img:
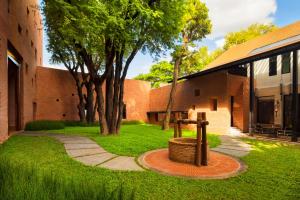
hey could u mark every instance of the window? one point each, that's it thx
(273, 66)
(214, 104)
(265, 111)
(26, 68)
(197, 92)
(286, 63)
(124, 112)
(19, 29)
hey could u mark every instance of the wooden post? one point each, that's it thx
(252, 98)
(175, 125)
(295, 98)
(179, 125)
(199, 137)
(204, 140)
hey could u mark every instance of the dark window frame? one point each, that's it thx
(197, 92)
(286, 63)
(124, 116)
(214, 104)
(273, 66)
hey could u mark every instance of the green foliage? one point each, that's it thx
(133, 139)
(78, 123)
(196, 61)
(132, 122)
(27, 182)
(272, 171)
(255, 30)
(44, 125)
(161, 72)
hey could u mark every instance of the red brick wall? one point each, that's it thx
(211, 86)
(25, 43)
(55, 84)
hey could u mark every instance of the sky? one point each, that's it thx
(226, 16)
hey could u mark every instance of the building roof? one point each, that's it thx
(276, 39)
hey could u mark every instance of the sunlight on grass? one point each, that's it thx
(133, 140)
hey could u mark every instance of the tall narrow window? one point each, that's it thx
(197, 92)
(214, 104)
(124, 112)
(273, 66)
(286, 63)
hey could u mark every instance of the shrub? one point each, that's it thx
(26, 182)
(44, 125)
(82, 124)
(132, 122)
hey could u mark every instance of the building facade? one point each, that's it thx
(20, 52)
(252, 83)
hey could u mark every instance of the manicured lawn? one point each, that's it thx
(273, 171)
(133, 139)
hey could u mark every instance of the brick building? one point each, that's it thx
(255, 82)
(20, 52)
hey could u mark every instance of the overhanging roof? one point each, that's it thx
(276, 42)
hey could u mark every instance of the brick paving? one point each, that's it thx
(220, 166)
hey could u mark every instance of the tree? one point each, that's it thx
(161, 72)
(195, 61)
(65, 53)
(235, 38)
(196, 26)
(107, 36)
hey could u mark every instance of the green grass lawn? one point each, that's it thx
(273, 170)
(133, 139)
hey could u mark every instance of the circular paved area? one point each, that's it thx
(220, 166)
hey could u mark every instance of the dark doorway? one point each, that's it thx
(287, 111)
(231, 111)
(13, 95)
(265, 111)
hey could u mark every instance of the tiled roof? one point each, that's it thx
(279, 38)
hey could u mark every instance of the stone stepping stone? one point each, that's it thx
(81, 146)
(238, 148)
(77, 141)
(93, 160)
(231, 152)
(123, 163)
(84, 152)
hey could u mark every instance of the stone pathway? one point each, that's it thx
(90, 153)
(232, 146)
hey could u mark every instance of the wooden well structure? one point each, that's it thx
(189, 150)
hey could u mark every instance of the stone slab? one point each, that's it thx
(231, 152)
(122, 163)
(232, 147)
(96, 159)
(80, 146)
(84, 152)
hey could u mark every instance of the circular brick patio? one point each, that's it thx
(220, 166)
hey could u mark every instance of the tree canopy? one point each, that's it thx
(161, 72)
(107, 35)
(199, 59)
(244, 35)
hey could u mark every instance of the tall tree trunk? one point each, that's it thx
(115, 110)
(166, 122)
(81, 104)
(89, 102)
(109, 92)
(101, 111)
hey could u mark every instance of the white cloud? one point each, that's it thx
(220, 42)
(233, 15)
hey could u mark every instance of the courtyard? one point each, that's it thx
(267, 177)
